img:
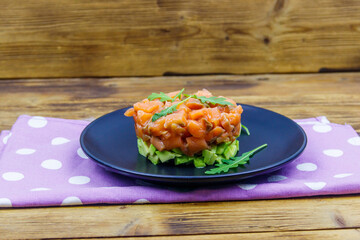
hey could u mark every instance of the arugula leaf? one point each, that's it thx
(245, 129)
(168, 110)
(178, 95)
(164, 112)
(213, 100)
(234, 162)
(162, 96)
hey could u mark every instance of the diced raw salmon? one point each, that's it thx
(195, 145)
(192, 127)
(143, 117)
(184, 108)
(213, 115)
(178, 117)
(204, 92)
(234, 118)
(194, 104)
(174, 142)
(225, 123)
(196, 129)
(196, 114)
(148, 106)
(237, 110)
(130, 112)
(213, 134)
(177, 129)
(157, 128)
(157, 143)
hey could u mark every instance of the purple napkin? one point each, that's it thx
(42, 164)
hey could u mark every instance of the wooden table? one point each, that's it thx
(336, 96)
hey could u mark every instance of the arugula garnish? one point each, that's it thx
(162, 97)
(178, 95)
(245, 129)
(213, 100)
(164, 112)
(234, 162)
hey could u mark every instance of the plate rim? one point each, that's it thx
(176, 178)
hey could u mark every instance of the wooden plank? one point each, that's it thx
(182, 219)
(296, 96)
(68, 38)
(343, 234)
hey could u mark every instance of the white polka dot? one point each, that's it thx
(333, 152)
(37, 122)
(354, 141)
(342, 175)
(322, 128)
(52, 164)
(141, 201)
(13, 176)
(5, 202)
(247, 186)
(307, 167)
(276, 178)
(6, 138)
(79, 180)
(71, 201)
(323, 119)
(39, 189)
(59, 141)
(25, 151)
(81, 154)
(315, 185)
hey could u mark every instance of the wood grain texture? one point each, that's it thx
(296, 96)
(182, 219)
(67, 38)
(343, 234)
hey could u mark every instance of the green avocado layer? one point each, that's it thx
(208, 156)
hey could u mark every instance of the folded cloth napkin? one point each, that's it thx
(42, 164)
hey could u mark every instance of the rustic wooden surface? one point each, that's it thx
(65, 38)
(295, 95)
(252, 217)
(350, 234)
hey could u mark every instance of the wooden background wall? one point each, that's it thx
(82, 38)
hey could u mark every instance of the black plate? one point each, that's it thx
(111, 141)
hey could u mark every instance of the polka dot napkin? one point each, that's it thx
(42, 164)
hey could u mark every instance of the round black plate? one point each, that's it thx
(111, 142)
